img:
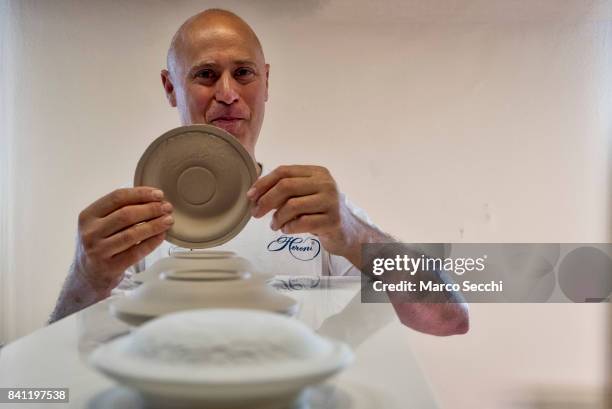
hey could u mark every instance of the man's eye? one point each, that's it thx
(244, 72)
(205, 74)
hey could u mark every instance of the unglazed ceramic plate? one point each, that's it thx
(179, 263)
(203, 275)
(221, 359)
(205, 173)
(341, 394)
(161, 297)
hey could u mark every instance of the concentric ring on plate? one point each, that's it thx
(205, 173)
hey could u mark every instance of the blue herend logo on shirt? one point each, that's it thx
(300, 248)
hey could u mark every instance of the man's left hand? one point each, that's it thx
(307, 200)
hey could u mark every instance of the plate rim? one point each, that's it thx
(228, 138)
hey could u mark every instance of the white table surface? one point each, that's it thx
(385, 373)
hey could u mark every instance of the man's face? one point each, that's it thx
(220, 78)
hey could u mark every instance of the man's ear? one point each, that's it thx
(168, 87)
(267, 77)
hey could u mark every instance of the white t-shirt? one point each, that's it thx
(273, 252)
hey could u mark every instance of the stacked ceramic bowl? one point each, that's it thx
(209, 330)
(196, 280)
(222, 359)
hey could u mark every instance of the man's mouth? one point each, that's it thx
(222, 119)
(229, 123)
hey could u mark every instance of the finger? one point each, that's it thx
(284, 189)
(134, 235)
(136, 253)
(296, 207)
(123, 197)
(130, 215)
(310, 223)
(264, 183)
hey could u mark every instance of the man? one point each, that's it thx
(217, 75)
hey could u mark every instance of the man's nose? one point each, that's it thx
(226, 89)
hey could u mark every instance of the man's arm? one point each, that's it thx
(306, 200)
(76, 294)
(115, 232)
(439, 313)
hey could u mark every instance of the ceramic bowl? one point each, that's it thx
(222, 358)
(160, 297)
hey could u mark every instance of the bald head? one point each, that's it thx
(211, 19)
(217, 75)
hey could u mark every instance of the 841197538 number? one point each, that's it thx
(39, 395)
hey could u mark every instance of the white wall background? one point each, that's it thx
(485, 121)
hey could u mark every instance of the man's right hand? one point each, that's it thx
(117, 231)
